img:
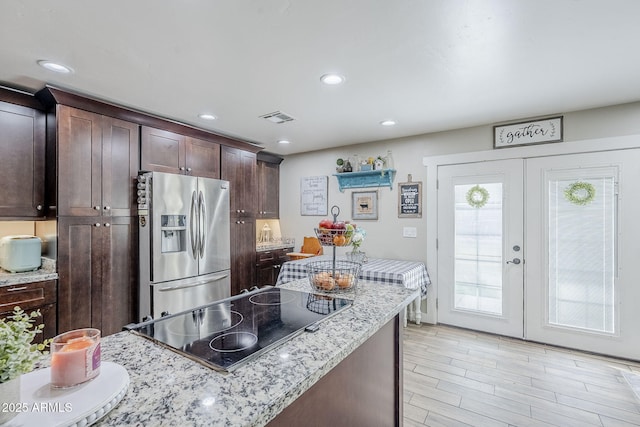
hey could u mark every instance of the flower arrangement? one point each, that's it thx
(357, 238)
(17, 352)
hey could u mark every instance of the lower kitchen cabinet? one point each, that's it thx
(97, 259)
(31, 297)
(268, 265)
(243, 254)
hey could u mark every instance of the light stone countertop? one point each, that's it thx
(169, 389)
(47, 271)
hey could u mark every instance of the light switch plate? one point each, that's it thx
(409, 232)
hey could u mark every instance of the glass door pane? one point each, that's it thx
(478, 247)
(581, 236)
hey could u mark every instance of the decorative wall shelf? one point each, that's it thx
(363, 179)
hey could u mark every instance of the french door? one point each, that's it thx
(583, 253)
(480, 241)
(543, 248)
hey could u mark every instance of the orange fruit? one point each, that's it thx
(339, 240)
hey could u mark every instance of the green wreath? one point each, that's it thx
(477, 196)
(580, 193)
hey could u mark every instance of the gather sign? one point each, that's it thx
(524, 133)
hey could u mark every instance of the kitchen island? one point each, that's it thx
(349, 371)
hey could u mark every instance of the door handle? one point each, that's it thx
(202, 220)
(514, 261)
(193, 232)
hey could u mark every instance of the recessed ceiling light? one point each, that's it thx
(388, 122)
(52, 66)
(206, 116)
(332, 79)
(284, 141)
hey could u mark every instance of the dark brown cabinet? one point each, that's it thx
(239, 168)
(97, 164)
(22, 160)
(97, 159)
(30, 297)
(268, 265)
(97, 259)
(164, 151)
(268, 190)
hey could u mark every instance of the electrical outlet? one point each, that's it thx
(409, 232)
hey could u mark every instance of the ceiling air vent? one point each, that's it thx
(277, 117)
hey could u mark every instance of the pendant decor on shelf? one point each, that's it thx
(580, 193)
(477, 196)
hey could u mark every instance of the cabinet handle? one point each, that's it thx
(242, 210)
(39, 207)
(106, 224)
(96, 208)
(22, 288)
(106, 208)
(96, 224)
(181, 168)
(188, 169)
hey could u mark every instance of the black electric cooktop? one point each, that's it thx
(225, 334)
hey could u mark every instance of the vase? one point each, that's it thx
(357, 256)
(10, 392)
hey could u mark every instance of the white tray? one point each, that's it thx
(82, 405)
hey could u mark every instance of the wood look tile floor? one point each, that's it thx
(457, 377)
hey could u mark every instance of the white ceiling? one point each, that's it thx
(432, 65)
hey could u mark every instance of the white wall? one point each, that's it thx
(384, 236)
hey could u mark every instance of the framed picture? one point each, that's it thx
(528, 133)
(410, 199)
(364, 205)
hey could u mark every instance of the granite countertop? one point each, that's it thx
(47, 271)
(270, 246)
(169, 389)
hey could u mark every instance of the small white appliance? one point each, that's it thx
(20, 253)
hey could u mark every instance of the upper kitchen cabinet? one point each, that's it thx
(164, 151)
(239, 168)
(97, 164)
(22, 157)
(268, 186)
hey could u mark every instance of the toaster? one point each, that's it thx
(20, 253)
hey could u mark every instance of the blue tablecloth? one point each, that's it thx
(410, 274)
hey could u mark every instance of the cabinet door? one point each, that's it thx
(239, 168)
(118, 295)
(162, 151)
(79, 162)
(30, 297)
(269, 190)
(80, 272)
(243, 254)
(22, 156)
(120, 155)
(202, 158)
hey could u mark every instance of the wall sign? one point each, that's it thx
(410, 199)
(313, 195)
(525, 133)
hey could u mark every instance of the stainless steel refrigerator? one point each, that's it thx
(184, 242)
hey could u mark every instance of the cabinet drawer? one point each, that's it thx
(266, 256)
(27, 295)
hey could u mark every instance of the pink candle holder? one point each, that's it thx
(75, 357)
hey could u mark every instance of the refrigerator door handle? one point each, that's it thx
(203, 224)
(193, 226)
(192, 285)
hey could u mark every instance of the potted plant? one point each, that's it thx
(18, 354)
(357, 238)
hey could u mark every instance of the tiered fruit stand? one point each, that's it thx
(334, 275)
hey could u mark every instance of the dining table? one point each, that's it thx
(409, 274)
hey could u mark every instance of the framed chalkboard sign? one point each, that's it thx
(410, 199)
(313, 195)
